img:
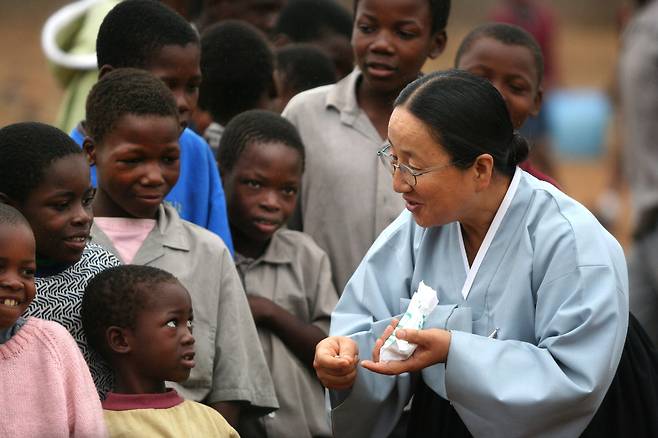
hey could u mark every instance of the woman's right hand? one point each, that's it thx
(336, 359)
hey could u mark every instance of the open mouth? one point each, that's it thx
(266, 225)
(377, 69)
(9, 302)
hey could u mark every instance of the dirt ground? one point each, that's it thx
(586, 58)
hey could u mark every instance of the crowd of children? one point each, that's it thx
(169, 267)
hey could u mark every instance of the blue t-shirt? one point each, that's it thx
(198, 195)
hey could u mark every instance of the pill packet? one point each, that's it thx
(422, 304)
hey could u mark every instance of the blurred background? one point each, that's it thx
(585, 52)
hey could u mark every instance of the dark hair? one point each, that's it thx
(440, 10)
(10, 216)
(467, 116)
(255, 126)
(507, 34)
(134, 30)
(126, 91)
(237, 65)
(305, 66)
(26, 151)
(309, 20)
(115, 297)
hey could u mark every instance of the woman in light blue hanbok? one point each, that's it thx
(533, 292)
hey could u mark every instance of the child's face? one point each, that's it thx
(17, 266)
(59, 209)
(392, 39)
(162, 345)
(179, 67)
(137, 165)
(512, 70)
(261, 190)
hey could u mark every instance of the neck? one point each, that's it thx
(247, 246)
(475, 225)
(372, 98)
(128, 382)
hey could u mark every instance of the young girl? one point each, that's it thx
(133, 125)
(45, 386)
(140, 319)
(345, 200)
(55, 196)
(286, 276)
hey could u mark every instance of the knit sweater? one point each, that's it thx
(45, 386)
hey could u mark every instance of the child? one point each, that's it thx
(133, 129)
(300, 67)
(140, 319)
(325, 24)
(45, 386)
(238, 67)
(285, 274)
(55, 196)
(148, 35)
(511, 59)
(346, 200)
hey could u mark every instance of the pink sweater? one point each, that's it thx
(45, 386)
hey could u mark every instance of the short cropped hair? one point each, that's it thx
(255, 126)
(507, 34)
(440, 10)
(115, 297)
(126, 91)
(237, 65)
(27, 149)
(10, 216)
(134, 31)
(305, 66)
(309, 20)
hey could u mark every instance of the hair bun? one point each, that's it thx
(518, 149)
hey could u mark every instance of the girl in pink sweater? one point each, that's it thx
(45, 386)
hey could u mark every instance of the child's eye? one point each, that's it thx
(252, 183)
(130, 161)
(172, 323)
(87, 200)
(406, 35)
(28, 272)
(192, 88)
(61, 206)
(365, 28)
(289, 191)
(190, 324)
(170, 160)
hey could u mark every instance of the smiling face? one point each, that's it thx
(59, 209)
(179, 67)
(438, 197)
(392, 39)
(17, 267)
(261, 193)
(137, 165)
(161, 344)
(512, 70)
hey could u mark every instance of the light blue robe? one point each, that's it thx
(554, 283)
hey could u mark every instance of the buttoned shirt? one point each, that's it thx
(229, 361)
(346, 198)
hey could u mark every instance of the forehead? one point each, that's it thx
(410, 137)
(16, 241)
(176, 58)
(496, 55)
(417, 11)
(164, 296)
(258, 156)
(70, 172)
(143, 130)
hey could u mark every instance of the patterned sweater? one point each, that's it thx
(59, 298)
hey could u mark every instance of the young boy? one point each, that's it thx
(285, 274)
(511, 59)
(148, 35)
(346, 198)
(133, 128)
(55, 196)
(238, 74)
(140, 319)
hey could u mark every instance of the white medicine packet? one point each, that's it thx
(421, 305)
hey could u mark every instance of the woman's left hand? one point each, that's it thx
(433, 346)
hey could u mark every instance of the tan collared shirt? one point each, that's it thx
(347, 197)
(293, 273)
(229, 361)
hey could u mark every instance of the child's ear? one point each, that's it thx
(117, 339)
(536, 105)
(105, 69)
(439, 41)
(89, 147)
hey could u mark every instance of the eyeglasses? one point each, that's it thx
(408, 174)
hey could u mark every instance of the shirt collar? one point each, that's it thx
(277, 252)
(170, 225)
(343, 97)
(127, 402)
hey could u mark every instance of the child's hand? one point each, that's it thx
(433, 346)
(262, 309)
(335, 362)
